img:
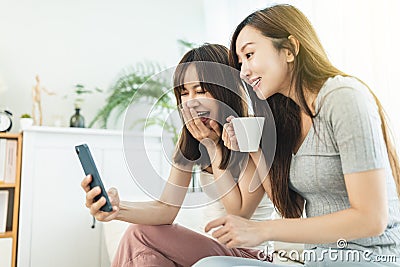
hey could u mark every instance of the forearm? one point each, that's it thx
(149, 213)
(232, 198)
(262, 170)
(164, 210)
(347, 224)
(237, 198)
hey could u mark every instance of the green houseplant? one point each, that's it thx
(25, 116)
(79, 94)
(139, 84)
(142, 83)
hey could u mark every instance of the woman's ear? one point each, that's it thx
(296, 45)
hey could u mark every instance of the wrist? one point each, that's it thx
(256, 154)
(212, 146)
(266, 230)
(209, 144)
(215, 154)
(121, 208)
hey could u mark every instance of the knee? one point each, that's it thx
(134, 242)
(147, 233)
(138, 231)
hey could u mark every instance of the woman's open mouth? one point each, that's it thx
(204, 116)
(256, 84)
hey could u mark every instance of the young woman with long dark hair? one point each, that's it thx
(334, 157)
(207, 91)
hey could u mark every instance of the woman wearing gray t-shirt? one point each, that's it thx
(334, 157)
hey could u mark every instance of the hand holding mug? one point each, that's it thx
(228, 135)
(243, 133)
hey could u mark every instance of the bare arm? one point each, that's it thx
(240, 198)
(159, 212)
(366, 217)
(262, 170)
(258, 159)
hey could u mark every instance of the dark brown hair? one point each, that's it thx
(222, 82)
(310, 71)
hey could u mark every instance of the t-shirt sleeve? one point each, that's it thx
(356, 125)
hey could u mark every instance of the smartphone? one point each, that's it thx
(89, 167)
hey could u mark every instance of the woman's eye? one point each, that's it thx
(249, 55)
(201, 92)
(184, 93)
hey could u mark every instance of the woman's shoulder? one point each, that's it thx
(340, 91)
(334, 84)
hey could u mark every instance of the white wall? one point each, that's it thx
(87, 42)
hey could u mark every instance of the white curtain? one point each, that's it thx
(361, 38)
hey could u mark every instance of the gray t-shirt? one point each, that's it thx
(347, 138)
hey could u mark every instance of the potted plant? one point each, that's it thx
(142, 84)
(25, 121)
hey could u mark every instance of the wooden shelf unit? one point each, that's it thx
(13, 234)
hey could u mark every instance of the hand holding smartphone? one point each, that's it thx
(89, 167)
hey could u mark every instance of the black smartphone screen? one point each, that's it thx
(89, 167)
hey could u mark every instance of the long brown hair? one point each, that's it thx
(221, 81)
(310, 71)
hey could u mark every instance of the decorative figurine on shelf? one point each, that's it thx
(37, 114)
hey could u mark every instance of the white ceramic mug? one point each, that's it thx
(248, 131)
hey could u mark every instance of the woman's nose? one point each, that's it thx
(192, 102)
(244, 71)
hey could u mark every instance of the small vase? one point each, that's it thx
(77, 120)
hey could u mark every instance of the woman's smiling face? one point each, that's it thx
(261, 65)
(195, 97)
